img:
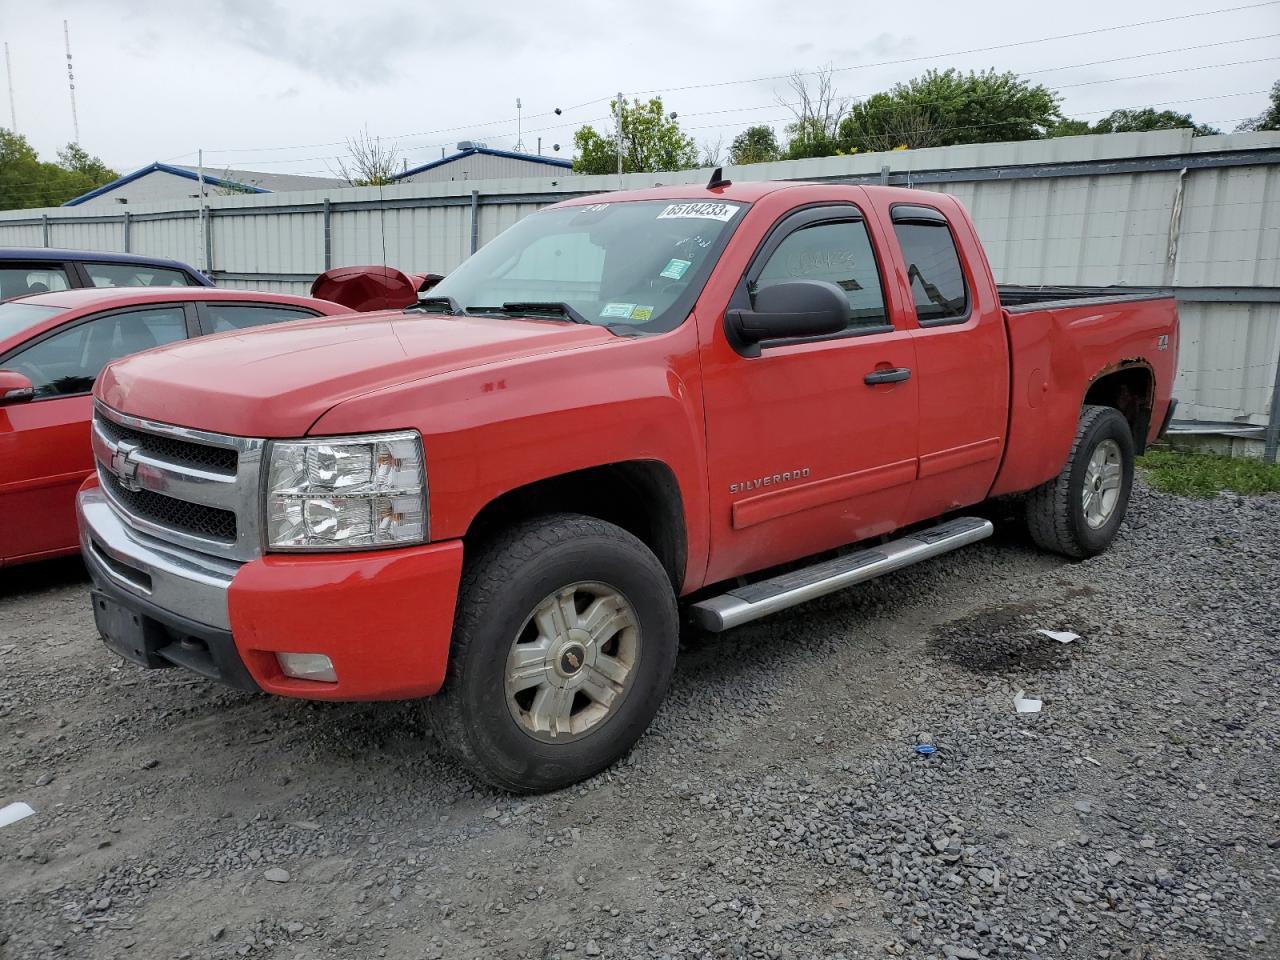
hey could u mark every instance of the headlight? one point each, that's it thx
(346, 493)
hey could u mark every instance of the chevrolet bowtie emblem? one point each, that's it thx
(124, 465)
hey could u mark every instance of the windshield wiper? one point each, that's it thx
(544, 306)
(450, 305)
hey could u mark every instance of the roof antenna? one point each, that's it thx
(718, 180)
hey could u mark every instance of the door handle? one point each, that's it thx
(893, 375)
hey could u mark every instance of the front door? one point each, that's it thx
(44, 444)
(811, 444)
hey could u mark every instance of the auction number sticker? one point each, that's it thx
(699, 210)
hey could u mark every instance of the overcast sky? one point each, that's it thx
(157, 79)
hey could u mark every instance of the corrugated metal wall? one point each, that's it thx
(1158, 209)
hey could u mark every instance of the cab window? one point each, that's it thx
(67, 363)
(934, 271)
(838, 252)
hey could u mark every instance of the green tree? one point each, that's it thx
(26, 181)
(1268, 119)
(651, 141)
(946, 107)
(1140, 121)
(757, 144)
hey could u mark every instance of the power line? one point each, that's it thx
(971, 50)
(697, 86)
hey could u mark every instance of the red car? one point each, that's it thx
(52, 346)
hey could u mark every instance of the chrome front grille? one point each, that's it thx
(192, 488)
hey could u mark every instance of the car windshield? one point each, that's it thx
(16, 317)
(634, 266)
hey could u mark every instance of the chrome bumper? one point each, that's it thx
(181, 581)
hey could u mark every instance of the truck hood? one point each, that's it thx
(276, 381)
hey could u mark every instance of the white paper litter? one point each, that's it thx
(14, 812)
(1062, 636)
(1026, 704)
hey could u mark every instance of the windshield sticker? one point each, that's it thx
(699, 210)
(642, 312)
(675, 269)
(621, 310)
(595, 207)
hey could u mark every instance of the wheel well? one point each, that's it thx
(1131, 390)
(640, 496)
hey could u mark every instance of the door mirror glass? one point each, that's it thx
(784, 311)
(15, 387)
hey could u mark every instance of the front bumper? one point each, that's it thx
(384, 618)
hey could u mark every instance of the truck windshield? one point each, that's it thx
(634, 266)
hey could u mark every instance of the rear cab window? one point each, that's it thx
(938, 286)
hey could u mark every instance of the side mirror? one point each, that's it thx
(799, 308)
(15, 387)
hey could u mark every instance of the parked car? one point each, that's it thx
(737, 397)
(45, 270)
(52, 346)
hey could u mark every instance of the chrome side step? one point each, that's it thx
(744, 604)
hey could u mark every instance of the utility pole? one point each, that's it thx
(204, 229)
(8, 69)
(71, 80)
(519, 137)
(618, 134)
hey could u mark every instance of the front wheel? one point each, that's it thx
(564, 644)
(1078, 512)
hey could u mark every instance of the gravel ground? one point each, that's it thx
(778, 807)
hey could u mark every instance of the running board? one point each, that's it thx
(744, 604)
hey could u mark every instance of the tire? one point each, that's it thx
(533, 659)
(1057, 515)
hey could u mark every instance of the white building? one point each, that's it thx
(475, 161)
(162, 181)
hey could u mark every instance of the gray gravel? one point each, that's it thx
(777, 809)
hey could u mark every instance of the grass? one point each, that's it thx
(1206, 474)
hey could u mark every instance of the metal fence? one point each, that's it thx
(1199, 216)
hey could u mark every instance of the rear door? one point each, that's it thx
(805, 454)
(44, 444)
(962, 357)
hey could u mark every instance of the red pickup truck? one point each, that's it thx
(727, 399)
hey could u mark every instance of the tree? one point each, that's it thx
(26, 181)
(755, 145)
(1133, 121)
(1268, 119)
(369, 162)
(818, 111)
(712, 150)
(947, 107)
(651, 141)
(1140, 121)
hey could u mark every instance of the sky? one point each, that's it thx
(279, 86)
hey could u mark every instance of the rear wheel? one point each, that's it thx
(564, 645)
(1079, 511)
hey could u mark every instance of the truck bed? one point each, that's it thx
(1020, 299)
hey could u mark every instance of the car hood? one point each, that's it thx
(276, 381)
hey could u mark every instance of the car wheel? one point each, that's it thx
(1078, 512)
(564, 645)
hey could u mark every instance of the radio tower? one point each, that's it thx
(8, 69)
(71, 81)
